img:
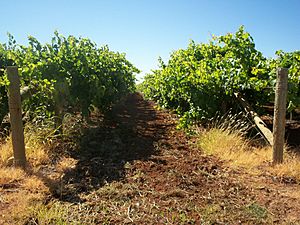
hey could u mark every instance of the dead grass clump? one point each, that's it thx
(37, 142)
(238, 152)
(34, 184)
(65, 164)
(234, 148)
(6, 153)
(11, 175)
(289, 168)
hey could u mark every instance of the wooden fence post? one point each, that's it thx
(279, 115)
(264, 130)
(15, 110)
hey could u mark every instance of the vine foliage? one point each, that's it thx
(67, 74)
(199, 81)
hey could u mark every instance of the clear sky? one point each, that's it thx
(147, 29)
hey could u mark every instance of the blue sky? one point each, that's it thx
(147, 29)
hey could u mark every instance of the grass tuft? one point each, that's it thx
(37, 142)
(237, 151)
(257, 211)
(53, 213)
(289, 168)
(10, 175)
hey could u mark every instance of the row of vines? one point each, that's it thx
(199, 81)
(68, 74)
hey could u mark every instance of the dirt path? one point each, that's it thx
(134, 167)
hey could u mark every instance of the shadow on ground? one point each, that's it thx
(129, 132)
(292, 132)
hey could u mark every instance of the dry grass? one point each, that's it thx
(234, 148)
(19, 192)
(21, 189)
(238, 152)
(36, 143)
(290, 167)
(66, 164)
(34, 184)
(23, 192)
(9, 175)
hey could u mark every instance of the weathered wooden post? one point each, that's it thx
(279, 115)
(15, 111)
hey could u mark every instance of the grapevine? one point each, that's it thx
(200, 81)
(68, 73)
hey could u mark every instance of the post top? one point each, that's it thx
(282, 69)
